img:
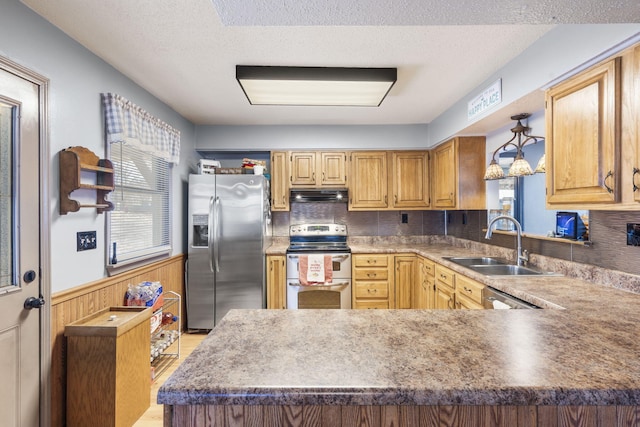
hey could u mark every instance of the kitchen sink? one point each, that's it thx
(505, 270)
(468, 261)
(490, 266)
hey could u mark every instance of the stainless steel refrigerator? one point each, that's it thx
(228, 231)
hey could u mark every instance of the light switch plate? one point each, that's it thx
(86, 240)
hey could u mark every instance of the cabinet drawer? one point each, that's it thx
(371, 273)
(368, 305)
(371, 260)
(446, 276)
(429, 267)
(371, 290)
(469, 288)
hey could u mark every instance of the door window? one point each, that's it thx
(7, 261)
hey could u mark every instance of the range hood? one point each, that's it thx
(319, 195)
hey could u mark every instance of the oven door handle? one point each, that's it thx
(336, 258)
(331, 286)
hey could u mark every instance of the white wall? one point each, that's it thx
(278, 137)
(559, 52)
(77, 77)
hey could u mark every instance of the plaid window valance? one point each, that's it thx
(127, 123)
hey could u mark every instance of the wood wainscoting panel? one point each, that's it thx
(402, 415)
(74, 304)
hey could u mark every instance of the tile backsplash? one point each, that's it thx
(360, 223)
(608, 231)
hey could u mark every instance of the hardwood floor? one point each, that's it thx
(153, 416)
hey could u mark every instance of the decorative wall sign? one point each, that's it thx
(488, 98)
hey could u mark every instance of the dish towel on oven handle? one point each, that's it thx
(315, 269)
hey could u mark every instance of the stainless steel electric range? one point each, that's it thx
(318, 247)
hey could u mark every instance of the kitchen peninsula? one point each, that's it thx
(574, 363)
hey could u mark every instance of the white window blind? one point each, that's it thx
(140, 224)
(142, 150)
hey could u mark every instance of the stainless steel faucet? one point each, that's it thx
(522, 258)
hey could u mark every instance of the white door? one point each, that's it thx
(19, 251)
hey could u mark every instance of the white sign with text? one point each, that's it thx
(488, 98)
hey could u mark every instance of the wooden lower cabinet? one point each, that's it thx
(468, 293)
(108, 368)
(405, 279)
(276, 282)
(445, 288)
(401, 415)
(424, 286)
(372, 281)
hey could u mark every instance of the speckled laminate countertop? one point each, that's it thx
(585, 354)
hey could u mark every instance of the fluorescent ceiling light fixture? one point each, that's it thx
(315, 86)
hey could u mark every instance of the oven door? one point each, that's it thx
(336, 295)
(341, 265)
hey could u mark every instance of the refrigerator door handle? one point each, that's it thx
(210, 234)
(216, 228)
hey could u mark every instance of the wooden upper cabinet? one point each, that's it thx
(583, 137)
(368, 180)
(303, 169)
(318, 169)
(279, 181)
(333, 169)
(410, 179)
(458, 174)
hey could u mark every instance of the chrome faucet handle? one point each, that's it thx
(525, 257)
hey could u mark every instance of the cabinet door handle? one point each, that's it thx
(609, 175)
(633, 179)
(395, 199)
(313, 176)
(371, 274)
(467, 289)
(385, 199)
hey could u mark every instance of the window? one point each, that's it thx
(7, 261)
(142, 150)
(140, 224)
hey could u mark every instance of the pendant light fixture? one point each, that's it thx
(519, 167)
(315, 86)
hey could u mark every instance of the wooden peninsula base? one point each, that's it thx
(423, 416)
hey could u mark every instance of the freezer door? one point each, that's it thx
(240, 281)
(200, 296)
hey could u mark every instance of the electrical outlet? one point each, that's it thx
(633, 234)
(86, 240)
(404, 218)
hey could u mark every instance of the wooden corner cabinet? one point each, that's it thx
(458, 174)
(73, 162)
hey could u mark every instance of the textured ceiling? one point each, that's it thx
(185, 52)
